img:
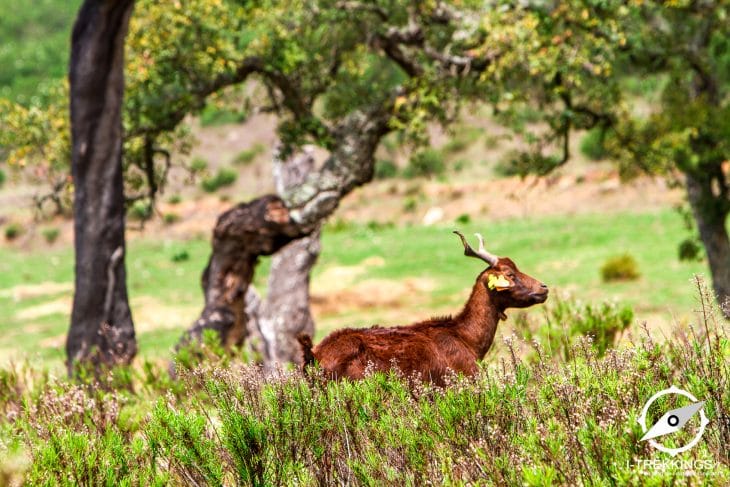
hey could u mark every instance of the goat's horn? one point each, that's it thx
(490, 259)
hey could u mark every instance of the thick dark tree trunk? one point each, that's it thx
(711, 214)
(707, 191)
(266, 224)
(101, 323)
(285, 312)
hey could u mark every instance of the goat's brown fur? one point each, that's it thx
(434, 347)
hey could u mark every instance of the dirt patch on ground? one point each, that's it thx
(57, 306)
(336, 278)
(372, 294)
(597, 191)
(150, 315)
(27, 291)
(57, 341)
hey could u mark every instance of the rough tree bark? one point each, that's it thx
(711, 212)
(266, 224)
(285, 312)
(708, 193)
(101, 323)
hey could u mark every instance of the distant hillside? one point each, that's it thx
(34, 45)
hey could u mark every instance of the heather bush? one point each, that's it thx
(547, 421)
(620, 268)
(565, 320)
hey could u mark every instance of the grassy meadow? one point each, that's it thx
(366, 274)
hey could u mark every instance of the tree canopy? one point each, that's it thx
(321, 65)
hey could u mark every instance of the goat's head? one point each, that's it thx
(506, 285)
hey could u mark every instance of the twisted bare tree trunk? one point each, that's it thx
(101, 323)
(265, 225)
(285, 312)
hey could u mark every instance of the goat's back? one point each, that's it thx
(429, 349)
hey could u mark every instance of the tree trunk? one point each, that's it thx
(266, 224)
(285, 313)
(711, 213)
(101, 323)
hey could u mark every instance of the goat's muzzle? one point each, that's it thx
(540, 296)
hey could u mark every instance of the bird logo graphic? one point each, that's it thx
(673, 421)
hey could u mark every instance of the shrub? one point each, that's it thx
(566, 320)
(385, 169)
(175, 199)
(690, 250)
(492, 142)
(462, 138)
(2, 178)
(463, 219)
(140, 210)
(338, 225)
(51, 234)
(198, 165)
(224, 177)
(13, 231)
(246, 157)
(170, 218)
(620, 268)
(592, 144)
(213, 116)
(180, 256)
(376, 226)
(461, 164)
(425, 163)
(410, 205)
(455, 145)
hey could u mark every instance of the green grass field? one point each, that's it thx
(565, 252)
(35, 39)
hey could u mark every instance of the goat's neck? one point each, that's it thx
(477, 322)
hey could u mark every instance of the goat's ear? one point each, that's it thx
(499, 282)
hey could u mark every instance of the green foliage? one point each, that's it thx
(690, 250)
(175, 199)
(198, 164)
(246, 157)
(51, 234)
(425, 163)
(212, 116)
(140, 211)
(338, 225)
(461, 164)
(463, 219)
(13, 231)
(222, 178)
(592, 144)
(462, 138)
(34, 46)
(180, 256)
(170, 218)
(410, 204)
(565, 321)
(181, 437)
(385, 169)
(2, 178)
(620, 268)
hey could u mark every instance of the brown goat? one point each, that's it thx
(437, 346)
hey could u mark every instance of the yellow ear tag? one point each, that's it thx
(498, 282)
